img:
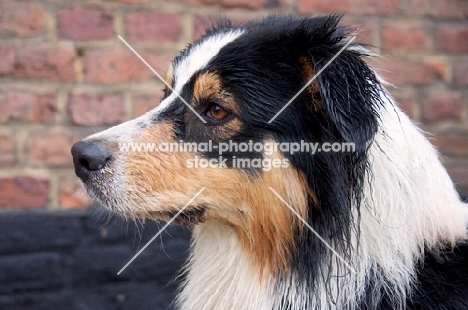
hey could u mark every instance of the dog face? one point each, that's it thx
(226, 88)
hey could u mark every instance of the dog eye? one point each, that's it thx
(216, 112)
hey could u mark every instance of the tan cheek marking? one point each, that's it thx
(264, 224)
(229, 129)
(269, 235)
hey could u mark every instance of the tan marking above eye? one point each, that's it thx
(209, 88)
(207, 84)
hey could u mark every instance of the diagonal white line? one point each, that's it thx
(313, 231)
(161, 230)
(161, 78)
(312, 79)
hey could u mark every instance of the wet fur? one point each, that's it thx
(389, 208)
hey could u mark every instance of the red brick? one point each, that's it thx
(143, 103)
(108, 67)
(130, 1)
(312, 6)
(251, 4)
(418, 7)
(407, 104)
(47, 63)
(452, 39)
(20, 19)
(452, 144)
(73, 195)
(203, 22)
(363, 28)
(23, 193)
(94, 110)
(153, 27)
(406, 72)
(7, 151)
(438, 67)
(459, 176)
(28, 107)
(7, 60)
(442, 108)
(50, 149)
(403, 38)
(450, 9)
(460, 72)
(374, 7)
(371, 7)
(83, 24)
(364, 34)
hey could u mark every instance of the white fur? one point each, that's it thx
(409, 202)
(220, 276)
(199, 57)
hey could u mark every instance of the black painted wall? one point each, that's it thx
(69, 260)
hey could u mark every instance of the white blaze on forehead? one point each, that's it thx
(198, 57)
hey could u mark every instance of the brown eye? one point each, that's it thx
(216, 112)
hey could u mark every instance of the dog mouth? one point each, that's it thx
(108, 183)
(188, 217)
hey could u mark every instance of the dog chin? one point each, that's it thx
(189, 217)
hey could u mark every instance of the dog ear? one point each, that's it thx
(349, 90)
(350, 94)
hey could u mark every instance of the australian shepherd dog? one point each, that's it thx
(375, 226)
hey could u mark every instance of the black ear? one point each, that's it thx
(350, 91)
(351, 94)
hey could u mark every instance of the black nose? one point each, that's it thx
(89, 157)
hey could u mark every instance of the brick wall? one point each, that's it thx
(65, 74)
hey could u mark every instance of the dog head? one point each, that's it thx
(226, 88)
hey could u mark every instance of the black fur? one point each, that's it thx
(263, 72)
(442, 281)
